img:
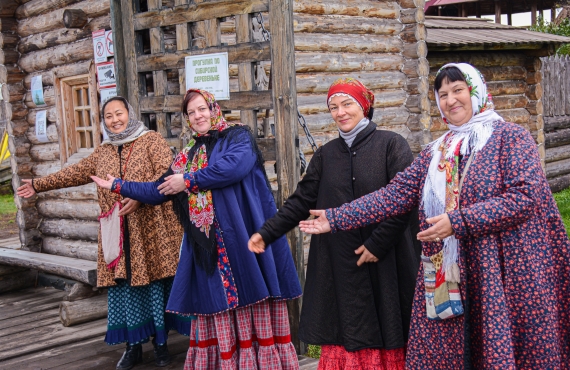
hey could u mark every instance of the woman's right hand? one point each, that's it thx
(26, 190)
(105, 184)
(256, 243)
(318, 225)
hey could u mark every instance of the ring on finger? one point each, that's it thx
(437, 239)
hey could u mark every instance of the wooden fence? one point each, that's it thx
(556, 112)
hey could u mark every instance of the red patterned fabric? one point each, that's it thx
(262, 340)
(354, 88)
(338, 358)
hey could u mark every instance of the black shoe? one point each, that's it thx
(161, 355)
(131, 357)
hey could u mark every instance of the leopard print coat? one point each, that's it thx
(155, 233)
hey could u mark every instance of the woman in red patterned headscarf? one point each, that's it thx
(359, 286)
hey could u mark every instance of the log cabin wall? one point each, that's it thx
(61, 222)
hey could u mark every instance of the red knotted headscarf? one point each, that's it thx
(356, 90)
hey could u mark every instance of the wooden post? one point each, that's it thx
(463, 11)
(119, 58)
(129, 41)
(478, 10)
(246, 81)
(553, 13)
(509, 13)
(286, 138)
(159, 77)
(497, 11)
(533, 10)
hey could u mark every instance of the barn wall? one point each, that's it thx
(514, 81)
(46, 48)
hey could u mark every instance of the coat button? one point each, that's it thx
(353, 153)
(353, 179)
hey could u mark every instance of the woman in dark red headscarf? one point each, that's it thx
(360, 284)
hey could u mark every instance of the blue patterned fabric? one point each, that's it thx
(136, 313)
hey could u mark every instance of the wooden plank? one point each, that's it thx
(14, 310)
(197, 12)
(80, 270)
(17, 280)
(183, 42)
(159, 77)
(15, 322)
(286, 136)
(41, 319)
(267, 147)
(130, 72)
(26, 294)
(559, 183)
(254, 100)
(251, 52)
(246, 80)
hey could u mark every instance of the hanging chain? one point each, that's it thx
(267, 37)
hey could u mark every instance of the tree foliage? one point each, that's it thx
(562, 29)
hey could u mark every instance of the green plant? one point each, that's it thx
(314, 351)
(563, 201)
(563, 29)
(7, 205)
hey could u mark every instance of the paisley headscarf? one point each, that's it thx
(441, 189)
(134, 130)
(353, 88)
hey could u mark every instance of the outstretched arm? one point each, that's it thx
(145, 192)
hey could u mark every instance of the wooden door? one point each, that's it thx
(151, 43)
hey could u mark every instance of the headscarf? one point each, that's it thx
(134, 130)
(354, 89)
(440, 192)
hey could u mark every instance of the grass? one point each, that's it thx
(313, 351)
(563, 201)
(7, 205)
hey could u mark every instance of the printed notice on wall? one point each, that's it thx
(38, 91)
(107, 94)
(109, 44)
(106, 74)
(99, 49)
(41, 127)
(209, 72)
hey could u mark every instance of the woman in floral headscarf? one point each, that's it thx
(359, 288)
(221, 196)
(494, 291)
(140, 275)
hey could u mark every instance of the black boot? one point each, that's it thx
(161, 355)
(131, 357)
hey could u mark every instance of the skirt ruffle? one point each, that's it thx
(338, 358)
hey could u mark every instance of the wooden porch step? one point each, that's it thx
(11, 243)
(73, 268)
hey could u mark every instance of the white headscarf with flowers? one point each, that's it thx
(472, 136)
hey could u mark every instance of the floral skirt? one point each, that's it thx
(248, 338)
(136, 313)
(338, 358)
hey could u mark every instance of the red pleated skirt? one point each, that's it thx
(338, 358)
(256, 337)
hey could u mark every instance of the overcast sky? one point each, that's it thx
(521, 19)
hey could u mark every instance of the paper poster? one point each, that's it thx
(99, 49)
(109, 43)
(106, 94)
(209, 72)
(106, 74)
(38, 91)
(41, 127)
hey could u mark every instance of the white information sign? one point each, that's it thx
(209, 72)
(106, 74)
(109, 43)
(38, 91)
(41, 129)
(99, 49)
(107, 94)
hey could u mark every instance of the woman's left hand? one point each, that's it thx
(105, 184)
(440, 230)
(365, 256)
(129, 206)
(172, 184)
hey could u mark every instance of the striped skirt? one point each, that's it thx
(248, 338)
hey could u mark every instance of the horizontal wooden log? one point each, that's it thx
(8, 8)
(51, 132)
(18, 110)
(19, 146)
(30, 240)
(557, 153)
(320, 83)
(517, 115)
(51, 115)
(558, 168)
(323, 122)
(49, 99)
(256, 100)
(556, 123)
(16, 93)
(348, 43)
(18, 128)
(342, 24)
(27, 219)
(9, 56)
(536, 123)
(62, 36)
(80, 291)
(307, 62)
(18, 280)
(414, 68)
(85, 310)
(557, 138)
(412, 15)
(54, 19)
(74, 69)
(532, 64)
(9, 41)
(74, 18)
(502, 73)
(510, 101)
(533, 78)
(37, 7)
(196, 12)
(559, 183)
(312, 104)
(41, 169)
(535, 107)
(57, 56)
(70, 248)
(73, 268)
(362, 8)
(479, 59)
(11, 74)
(405, 4)
(413, 33)
(63, 208)
(7, 270)
(8, 25)
(496, 88)
(415, 50)
(45, 152)
(534, 92)
(70, 229)
(241, 53)
(47, 79)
